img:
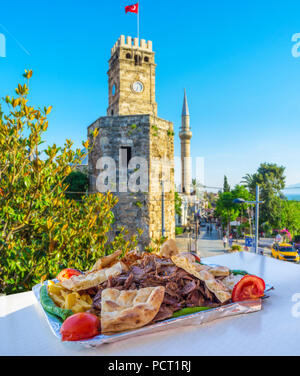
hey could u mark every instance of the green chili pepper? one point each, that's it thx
(239, 272)
(189, 311)
(50, 307)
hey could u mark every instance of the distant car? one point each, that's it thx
(285, 252)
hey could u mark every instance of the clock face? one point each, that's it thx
(138, 87)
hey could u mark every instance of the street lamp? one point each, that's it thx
(256, 203)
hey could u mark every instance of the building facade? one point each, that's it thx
(133, 155)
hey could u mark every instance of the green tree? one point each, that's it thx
(226, 186)
(226, 209)
(249, 181)
(41, 230)
(178, 203)
(290, 216)
(78, 184)
(270, 177)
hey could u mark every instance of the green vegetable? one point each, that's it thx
(238, 272)
(189, 311)
(50, 307)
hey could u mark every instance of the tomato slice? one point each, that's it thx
(80, 326)
(67, 274)
(250, 287)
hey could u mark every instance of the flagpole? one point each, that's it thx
(138, 21)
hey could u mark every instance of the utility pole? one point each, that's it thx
(196, 235)
(163, 231)
(256, 218)
(256, 203)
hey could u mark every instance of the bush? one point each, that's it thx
(236, 247)
(78, 184)
(41, 230)
(178, 231)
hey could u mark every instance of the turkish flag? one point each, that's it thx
(132, 8)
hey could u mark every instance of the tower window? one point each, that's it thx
(126, 154)
(112, 112)
(137, 60)
(146, 59)
(128, 56)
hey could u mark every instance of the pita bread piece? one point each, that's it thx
(106, 261)
(219, 271)
(168, 249)
(129, 309)
(89, 280)
(203, 273)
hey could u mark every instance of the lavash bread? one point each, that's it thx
(219, 271)
(231, 281)
(129, 309)
(89, 280)
(106, 261)
(203, 273)
(168, 249)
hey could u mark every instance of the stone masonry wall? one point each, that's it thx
(161, 168)
(152, 139)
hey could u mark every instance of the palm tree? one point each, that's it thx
(249, 181)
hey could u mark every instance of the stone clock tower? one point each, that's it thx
(131, 78)
(137, 143)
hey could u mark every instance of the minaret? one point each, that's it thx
(185, 137)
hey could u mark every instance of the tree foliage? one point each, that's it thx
(290, 216)
(226, 186)
(226, 209)
(78, 185)
(271, 180)
(178, 203)
(41, 230)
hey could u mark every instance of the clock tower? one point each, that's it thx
(133, 154)
(131, 78)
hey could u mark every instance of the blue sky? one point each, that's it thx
(234, 59)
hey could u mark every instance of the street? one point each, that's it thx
(209, 245)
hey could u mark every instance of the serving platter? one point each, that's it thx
(198, 318)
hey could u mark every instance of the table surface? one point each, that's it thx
(273, 331)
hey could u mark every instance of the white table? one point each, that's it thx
(272, 331)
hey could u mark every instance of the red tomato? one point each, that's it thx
(250, 287)
(67, 274)
(80, 326)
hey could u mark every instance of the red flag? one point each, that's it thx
(132, 8)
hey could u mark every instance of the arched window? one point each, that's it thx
(146, 59)
(128, 56)
(112, 112)
(137, 60)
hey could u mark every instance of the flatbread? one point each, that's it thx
(203, 273)
(168, 249)
(89, 280)
(105, 261)
(231, 281)
(219, 271)
(129, 309)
